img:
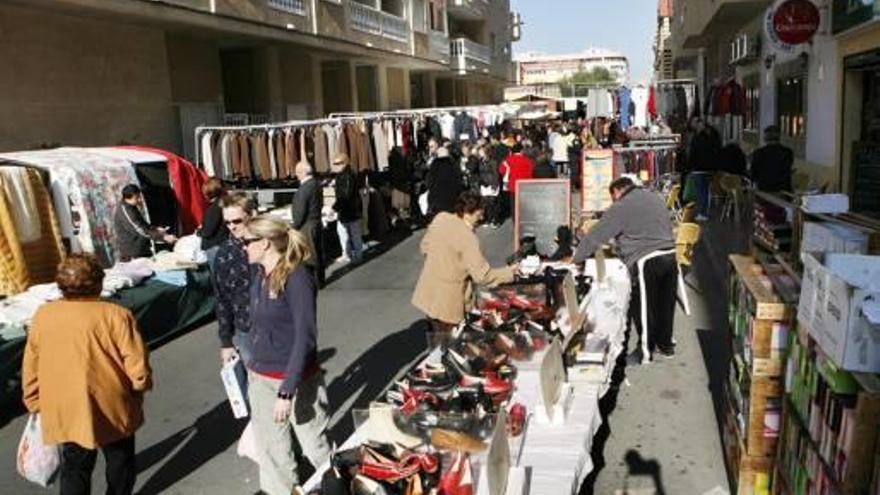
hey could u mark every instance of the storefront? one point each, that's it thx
(858, 32)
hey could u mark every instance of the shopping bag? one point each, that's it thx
(247, 443)
(36, 461)
(234, 379)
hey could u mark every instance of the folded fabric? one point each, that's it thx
(176, 278)
(135, 271)
(189, 249)
(170, 261)
(45, 292)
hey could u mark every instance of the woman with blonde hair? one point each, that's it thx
(285, 383)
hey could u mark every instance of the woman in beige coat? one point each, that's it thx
(453, 262)
(85, 371)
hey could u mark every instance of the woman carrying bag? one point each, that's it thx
(286, 385)
(85, 371)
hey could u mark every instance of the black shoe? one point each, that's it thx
(666, 352)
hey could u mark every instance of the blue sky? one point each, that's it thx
(569, 26)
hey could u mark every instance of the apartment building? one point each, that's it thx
(102, 72)
(662, 50)
(537, 68)
(823, 93)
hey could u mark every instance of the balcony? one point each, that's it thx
(466, 55)
(704, 21)
(373, 21)
(297, 7)
(468, 10)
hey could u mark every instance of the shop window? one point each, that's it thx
(791, 107)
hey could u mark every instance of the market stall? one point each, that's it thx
(550, 413)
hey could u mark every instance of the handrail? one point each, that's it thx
(463, 47)
(374, 21)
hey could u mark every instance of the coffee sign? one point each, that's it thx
(796, 21)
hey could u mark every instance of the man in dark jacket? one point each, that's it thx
(306, 215)
(349, 209)
(771, 163)
(133, 233)
(444, 183)
(642, 227)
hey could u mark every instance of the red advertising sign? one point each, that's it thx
(796, 21)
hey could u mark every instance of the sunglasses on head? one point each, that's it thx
(236, 221)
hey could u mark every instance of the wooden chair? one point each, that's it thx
(685, 239)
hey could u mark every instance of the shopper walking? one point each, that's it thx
(453, 264)
(133, 234)
(444, 183)
(704, 158)
(641, 225)
(85, 371)
(286, 385)
(306, 215)
(772, 163)
(490, 186)
(349, 209)
(231, 278)
(213, 231)
(514, 168)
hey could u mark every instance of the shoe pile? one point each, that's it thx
(444, 411)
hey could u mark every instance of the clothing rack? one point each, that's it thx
(255, 127)
(409, 112)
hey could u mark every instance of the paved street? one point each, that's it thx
(367, 336)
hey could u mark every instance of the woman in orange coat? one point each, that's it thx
(85, 371)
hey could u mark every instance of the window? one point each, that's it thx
(420, 18)
(752, 87)
(791, 107)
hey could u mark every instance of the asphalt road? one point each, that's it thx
(368, 334)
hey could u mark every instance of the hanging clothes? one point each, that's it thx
(447, 125)
(652, 104)
(380, 140)
(640, 102)
(207, 153)
(18, 190)
(322, 153)
(624, 98)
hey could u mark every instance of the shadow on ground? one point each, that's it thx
(388, 242)
(372, 373)
(193, 446)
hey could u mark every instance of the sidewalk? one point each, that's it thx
(662, 436)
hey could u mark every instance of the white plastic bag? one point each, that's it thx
(247, 444)
(36, 461)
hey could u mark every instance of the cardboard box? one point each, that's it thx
(234, 379)
(830, 237)
(840, 306)
(825, 203)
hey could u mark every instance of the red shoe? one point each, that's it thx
(458, 480)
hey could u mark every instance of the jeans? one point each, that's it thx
(308, 421)
(351, 239)
(77, 464)
(702, 180)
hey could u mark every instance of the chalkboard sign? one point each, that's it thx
(542, 205)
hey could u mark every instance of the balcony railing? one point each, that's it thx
(468, 9)
(297, 7)
(373, 21)
(439, 43)
(463, 49)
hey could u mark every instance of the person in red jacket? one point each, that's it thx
(513, 169)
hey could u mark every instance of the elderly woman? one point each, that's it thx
(453, 261)
(85, 371)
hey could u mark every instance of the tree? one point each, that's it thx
(577, 84)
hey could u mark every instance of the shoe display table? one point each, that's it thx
(557, 457)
